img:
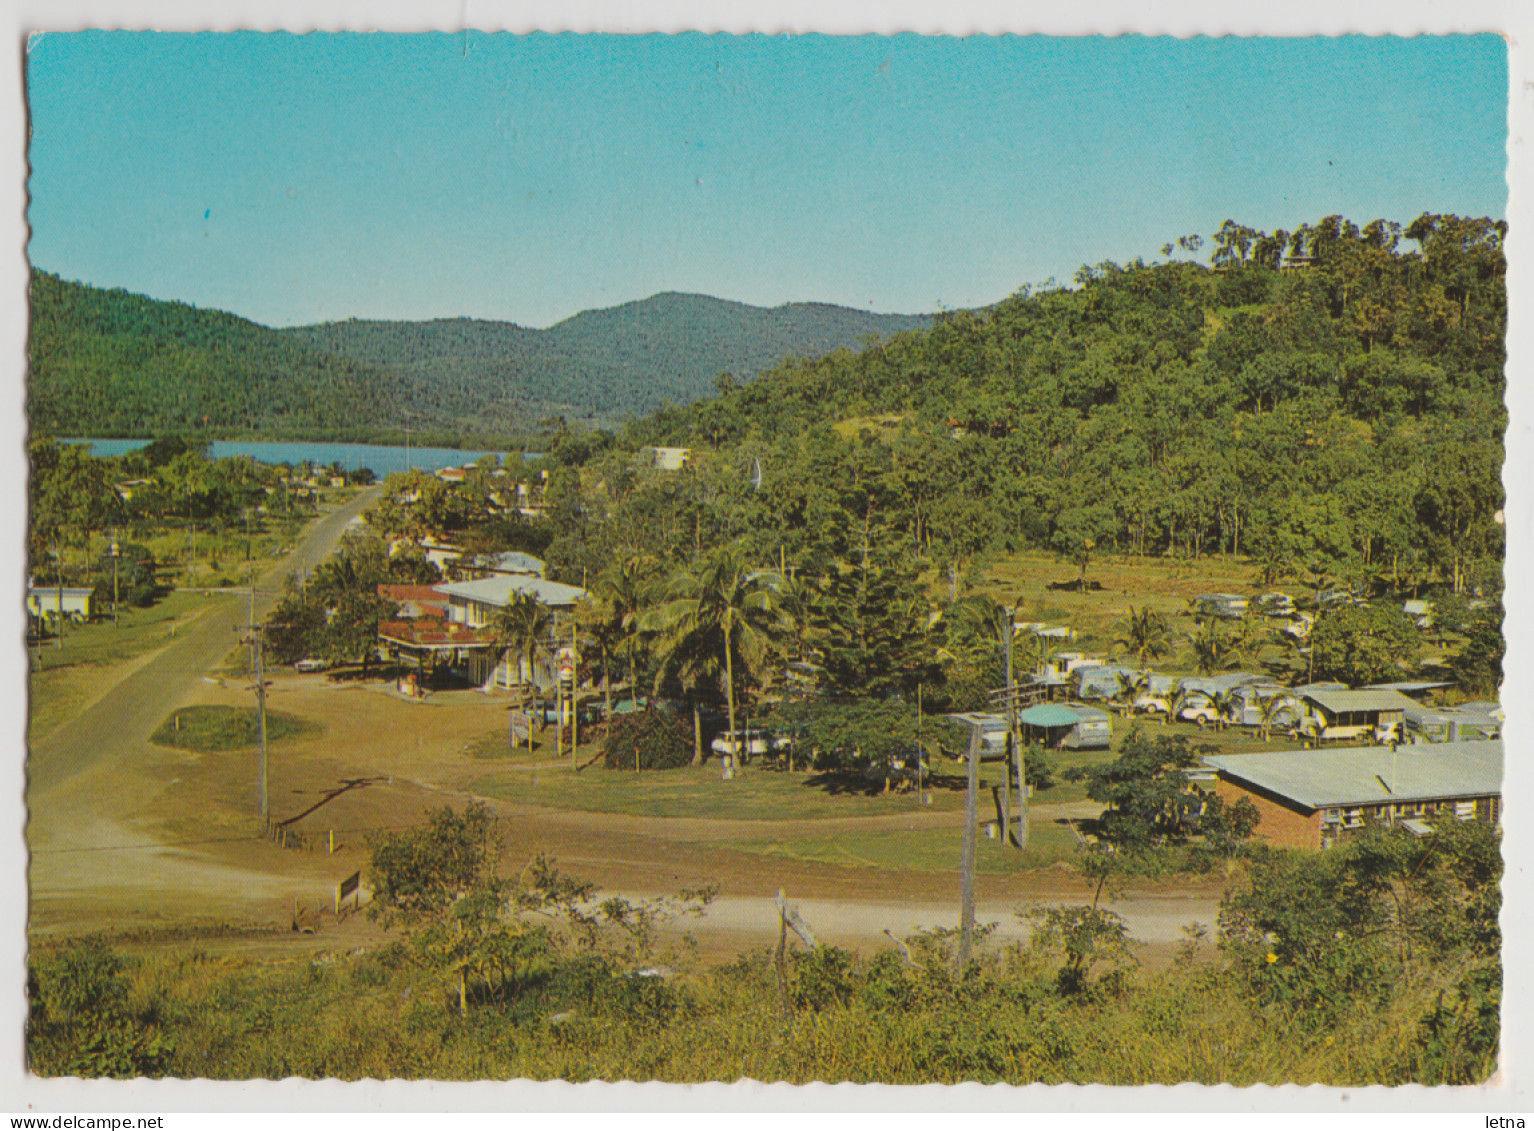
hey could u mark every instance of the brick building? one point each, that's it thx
(1313, 798)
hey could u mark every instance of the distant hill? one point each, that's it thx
(107, 362)
(628, 359)
(110, 363)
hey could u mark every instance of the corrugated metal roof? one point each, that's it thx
(1210, 684)
(1335, 701)
(1317, 779)
(515, 561)
(498, 590)
(983, 720)
(1404, 688)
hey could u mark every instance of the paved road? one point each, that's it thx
(127, 715)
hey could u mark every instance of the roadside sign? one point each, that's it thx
(347, 887)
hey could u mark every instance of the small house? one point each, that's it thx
(48, 602)
(988, 731)
(1066, 726)
(1102, 681)
(1314, 799)
(1332, 715)
(669, 459)
(1470, 722)
(1474, 721)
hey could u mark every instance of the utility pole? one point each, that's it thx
(575, 676)
(58, 605)
(114, 552)
(1007, 748)
(1015, 738)
(261, 727)
(255, 638)
(967, 857)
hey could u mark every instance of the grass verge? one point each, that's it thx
(208, 729)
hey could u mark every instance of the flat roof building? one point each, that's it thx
(1313, 798)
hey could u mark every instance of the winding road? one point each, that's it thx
(122, 720)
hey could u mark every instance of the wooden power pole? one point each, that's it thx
(967, 858)
(254, 635)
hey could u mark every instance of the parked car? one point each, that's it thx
(545, 711)
(746, 744)
(311, 665)
(1203, 713)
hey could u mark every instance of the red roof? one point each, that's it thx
(421, 594)
(430, 633)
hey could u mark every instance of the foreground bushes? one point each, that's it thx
(834, 1015)
(1378, 963)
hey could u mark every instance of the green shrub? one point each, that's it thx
(80, 1022)
(656, 740)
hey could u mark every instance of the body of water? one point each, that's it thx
(381, 459)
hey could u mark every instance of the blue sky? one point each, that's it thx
(295, 179)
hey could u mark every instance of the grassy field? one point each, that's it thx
(66, 677)
(755, 793)
(208, 729)
(762, 793)
(923, 850)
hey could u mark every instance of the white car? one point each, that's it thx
(1199, 713)
(311, 665)
(747, 744)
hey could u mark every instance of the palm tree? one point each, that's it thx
(1037, 651)
(629, 589)
(693, 664)
(1145, 634)
(725, 607)
(1212, 652)
(519, 630)
(600, 624)
(1275, 704)
(1128, 689)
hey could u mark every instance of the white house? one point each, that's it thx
(669, 459)
(47, 601)
(475, 605)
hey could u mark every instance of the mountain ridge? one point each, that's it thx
(109, 362)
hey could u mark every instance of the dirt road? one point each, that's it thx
(89, 777)
(127, 714)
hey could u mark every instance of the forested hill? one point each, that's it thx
(600, 364)
(106, 362)
(110, 363)
(1329, 398)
